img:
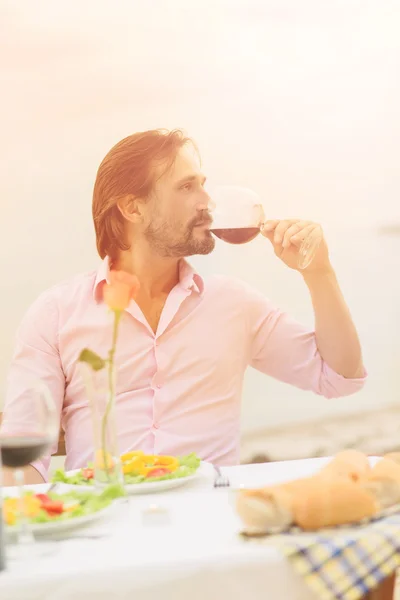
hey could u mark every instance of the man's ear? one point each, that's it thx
(130, 208)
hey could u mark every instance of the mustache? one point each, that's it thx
(206, 219)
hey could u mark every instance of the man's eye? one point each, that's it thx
(187, 187)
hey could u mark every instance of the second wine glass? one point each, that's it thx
(22, 445)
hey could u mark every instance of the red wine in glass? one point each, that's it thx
(236, 235)
(20, 450)
(237, 216)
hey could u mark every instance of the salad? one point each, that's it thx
(139, 467)
(43, 508)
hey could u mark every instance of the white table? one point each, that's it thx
(197, 554)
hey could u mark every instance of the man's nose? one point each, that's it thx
(207, 203)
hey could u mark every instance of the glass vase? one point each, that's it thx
(100, 390)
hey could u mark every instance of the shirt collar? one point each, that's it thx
(101, 279)
(189, 279)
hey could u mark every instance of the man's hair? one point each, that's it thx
(129, 169)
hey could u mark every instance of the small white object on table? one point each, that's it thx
(196, 553)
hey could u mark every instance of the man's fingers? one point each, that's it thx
(281, 229)
(269, 226)
(303, 234)
(293, 230)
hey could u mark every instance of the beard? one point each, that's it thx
(174, 241)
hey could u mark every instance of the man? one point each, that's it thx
(184, 342)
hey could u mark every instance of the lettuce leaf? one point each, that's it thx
(192, 461)
(76, 479)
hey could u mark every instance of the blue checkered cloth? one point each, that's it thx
(344, 563)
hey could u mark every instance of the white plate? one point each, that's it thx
(153, 487)
(58, 526)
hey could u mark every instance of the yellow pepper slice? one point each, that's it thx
(169, 462)
(140, 463)
(146, 463)
(129, 455)
(148, 459)
(134, 466)
(155, 460)
(10, 508)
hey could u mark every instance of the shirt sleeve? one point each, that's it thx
(36, 357)
(286, 350)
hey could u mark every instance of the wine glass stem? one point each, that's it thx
(307, 251)
(24, 533)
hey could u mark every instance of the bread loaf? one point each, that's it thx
(384, 481)
(348, 464)
(395, 456)
(386, 491)
(345, 491)
(386, 468)
(330, 502)
(264, 510)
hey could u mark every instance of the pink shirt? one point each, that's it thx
(179, 390)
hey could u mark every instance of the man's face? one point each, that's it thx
(176, 218)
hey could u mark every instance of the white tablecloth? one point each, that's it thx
(197, 554)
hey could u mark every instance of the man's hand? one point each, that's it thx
(287, 237)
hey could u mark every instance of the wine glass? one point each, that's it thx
(238, 217)
(21, 445)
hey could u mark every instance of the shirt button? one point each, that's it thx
(159, 386)
(156, 425)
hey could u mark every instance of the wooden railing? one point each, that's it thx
(384, 591)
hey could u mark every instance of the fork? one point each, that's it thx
(52, 487)
(220, 480)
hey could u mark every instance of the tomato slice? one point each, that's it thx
(157, 472)
(88, 473)
(53, 508)
(44, 498)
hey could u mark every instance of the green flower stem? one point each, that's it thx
(111, 388)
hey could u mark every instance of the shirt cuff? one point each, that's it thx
(337, 386)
